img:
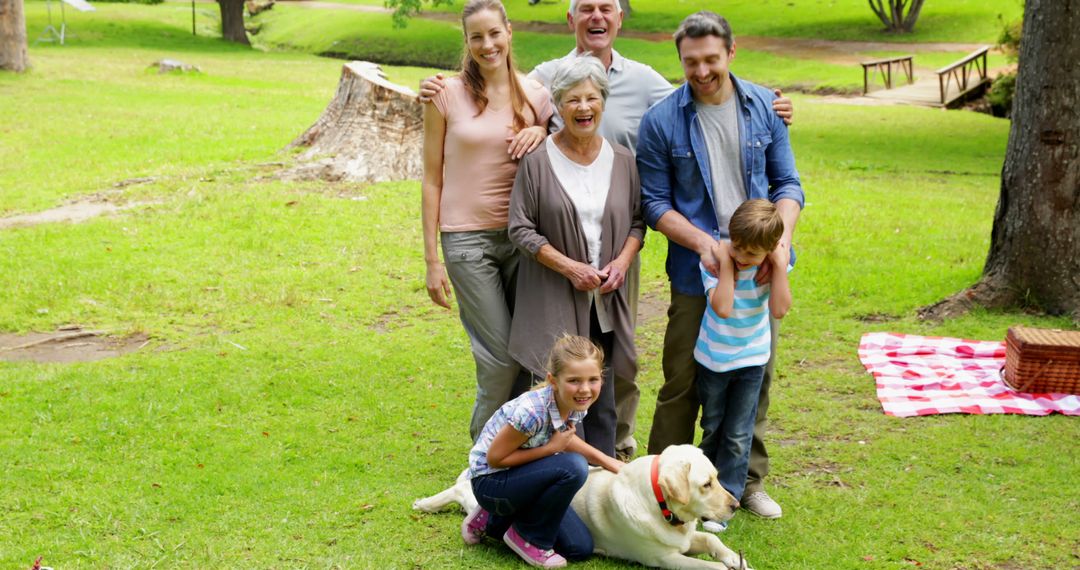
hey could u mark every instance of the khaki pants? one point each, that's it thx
(677, 403)
(627, 394)
(482, 267)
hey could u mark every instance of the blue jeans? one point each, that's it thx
(728, 407)
(535, 498)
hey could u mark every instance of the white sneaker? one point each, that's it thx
(714, 527)
(762, 505)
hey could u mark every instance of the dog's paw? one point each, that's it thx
(733, 560)
(728, 557)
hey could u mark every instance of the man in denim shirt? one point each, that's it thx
(702, 150)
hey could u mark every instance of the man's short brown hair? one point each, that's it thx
(756, 224)
(702, 24)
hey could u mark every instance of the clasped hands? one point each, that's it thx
(585, 277)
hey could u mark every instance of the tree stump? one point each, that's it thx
(372, 131)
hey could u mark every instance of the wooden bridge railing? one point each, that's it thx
(884, 66)
(961, 72)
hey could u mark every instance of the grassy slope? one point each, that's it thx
(942, 21)
(357, 35)
(348, 394)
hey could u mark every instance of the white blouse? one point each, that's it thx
(587, 186)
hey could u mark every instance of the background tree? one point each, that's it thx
(1034, 257)
(232, 21)
(899, 16)
(12, 36)
(405, 9)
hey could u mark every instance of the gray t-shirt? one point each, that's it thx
(720, 125)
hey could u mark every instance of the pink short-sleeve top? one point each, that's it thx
(477, 171)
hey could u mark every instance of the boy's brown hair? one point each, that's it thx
(756, 224)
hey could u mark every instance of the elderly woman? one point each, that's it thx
(575, 215)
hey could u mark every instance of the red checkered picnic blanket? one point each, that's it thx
(925, 375)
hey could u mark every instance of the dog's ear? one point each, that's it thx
(674, 481)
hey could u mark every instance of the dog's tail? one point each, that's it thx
(459, 493)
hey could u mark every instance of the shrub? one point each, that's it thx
(1001, 94)
(1009, 38)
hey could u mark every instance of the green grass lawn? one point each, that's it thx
(942, 21)
(300, 391)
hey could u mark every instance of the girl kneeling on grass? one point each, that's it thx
(527, 463)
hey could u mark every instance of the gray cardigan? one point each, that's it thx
(546, 303)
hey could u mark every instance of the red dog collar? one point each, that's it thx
(659, 493)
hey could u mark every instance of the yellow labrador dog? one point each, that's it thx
(647, 513)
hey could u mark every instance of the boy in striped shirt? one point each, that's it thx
(734, 344)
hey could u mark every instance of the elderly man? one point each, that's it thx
(702, 151)
(634, 87)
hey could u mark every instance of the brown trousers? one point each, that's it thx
(677, 404)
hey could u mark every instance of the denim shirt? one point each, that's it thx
(673, 163)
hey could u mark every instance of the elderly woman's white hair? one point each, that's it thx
(572, 72)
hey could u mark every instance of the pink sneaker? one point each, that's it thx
(531, 554)
(473, 528)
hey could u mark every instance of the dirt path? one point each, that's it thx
(69, 344)
(75, 211)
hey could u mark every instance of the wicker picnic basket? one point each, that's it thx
(1042, 361)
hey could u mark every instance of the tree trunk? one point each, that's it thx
(232, 21)
(894, 16)
(625, 7)
(12, 36)
(1034, 254)
(372, 131)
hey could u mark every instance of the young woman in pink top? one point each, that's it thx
(475, 130)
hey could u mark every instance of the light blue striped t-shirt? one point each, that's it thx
(743, 339)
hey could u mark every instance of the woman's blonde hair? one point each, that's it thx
(470, 70)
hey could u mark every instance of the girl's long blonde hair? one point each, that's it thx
(470, 70)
